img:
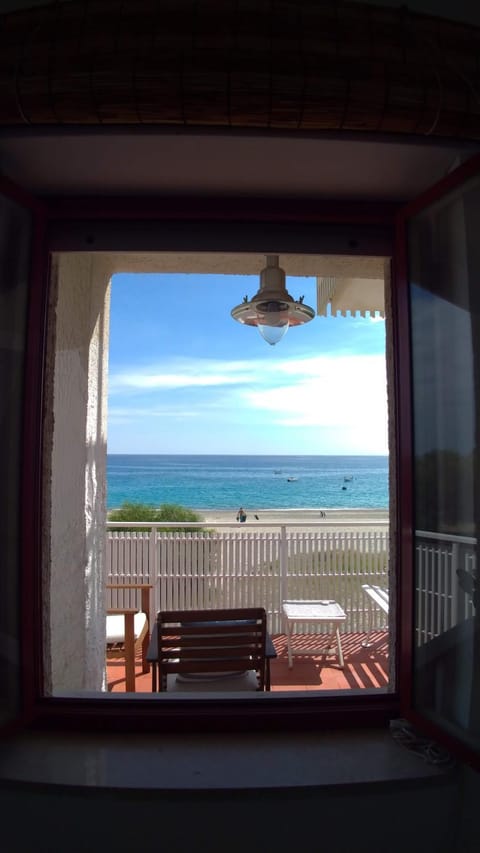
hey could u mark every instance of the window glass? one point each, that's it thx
(15, 234)
(192, 405)
(444, 268)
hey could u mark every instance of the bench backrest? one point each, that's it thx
(212, 641)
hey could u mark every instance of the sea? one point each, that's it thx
(257, 482)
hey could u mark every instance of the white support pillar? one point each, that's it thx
(75, 511)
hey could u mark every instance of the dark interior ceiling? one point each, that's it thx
(461, 10)
(368, 104)
(301, 67)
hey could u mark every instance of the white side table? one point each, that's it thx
(312, 612)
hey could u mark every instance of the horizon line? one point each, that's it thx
(134, 453)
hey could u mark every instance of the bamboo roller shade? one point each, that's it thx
(268, 64)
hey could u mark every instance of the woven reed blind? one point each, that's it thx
(268, 64)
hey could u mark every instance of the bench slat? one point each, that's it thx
(378, 594)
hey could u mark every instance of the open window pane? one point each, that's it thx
(444, 270)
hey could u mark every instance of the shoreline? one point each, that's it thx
(296, 516)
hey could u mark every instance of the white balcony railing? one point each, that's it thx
(445, 568)
(251, 567)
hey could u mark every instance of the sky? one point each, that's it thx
(185, 378)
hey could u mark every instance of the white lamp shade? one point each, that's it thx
(272, 334)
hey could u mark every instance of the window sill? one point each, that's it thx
(333, 760)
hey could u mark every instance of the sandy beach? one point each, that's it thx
(334, 518)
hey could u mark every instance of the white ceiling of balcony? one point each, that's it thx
(224, 164)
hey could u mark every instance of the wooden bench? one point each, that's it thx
(211, 649)
(379, 595)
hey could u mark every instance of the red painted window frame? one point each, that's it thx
(29, 475)
(250, 714)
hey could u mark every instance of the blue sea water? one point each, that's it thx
(256, 482)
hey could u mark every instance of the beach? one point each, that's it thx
(333, 518)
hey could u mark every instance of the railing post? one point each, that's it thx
(152, 573)
(283, 570)
(454, 616)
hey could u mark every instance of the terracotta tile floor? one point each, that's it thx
(364, 667)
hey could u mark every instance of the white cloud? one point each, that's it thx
(128, 414)
(209, 372)
(341, 396)
(181, 374)
(323, 390)
(343, 390)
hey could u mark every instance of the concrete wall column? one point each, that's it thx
(75, 497)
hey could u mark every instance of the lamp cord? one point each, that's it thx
(431, 752)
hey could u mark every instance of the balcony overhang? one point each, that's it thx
(340, 296)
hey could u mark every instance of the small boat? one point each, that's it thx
(347, 479)
(277, 472)
(292, 479)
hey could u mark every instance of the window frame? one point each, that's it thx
(88, 224)
(406, 534)
(28, 478)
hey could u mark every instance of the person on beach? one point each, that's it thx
(241, 514)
